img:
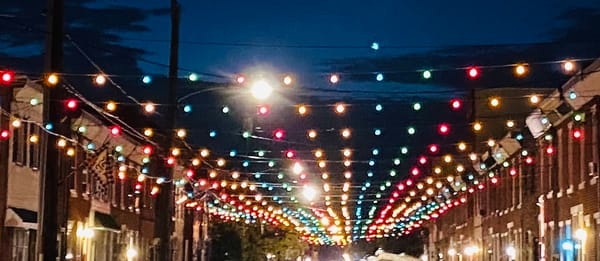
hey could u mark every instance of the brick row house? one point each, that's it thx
(108, 207)
(542, 202)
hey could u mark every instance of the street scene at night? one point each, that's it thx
(270, 130)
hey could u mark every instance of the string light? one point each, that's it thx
(100, 79)
(473, 72)
(568, 66)
(534, 99)
(510, 123)
(340, 108)
(477, 126)
(426, 74)
(334, 78)
(52, 79)
(494, 102)
(148, 132)
(521, 70)
(111, 106)
(346, 133)
(287, 80)
(149, 107)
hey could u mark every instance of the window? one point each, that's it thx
(34, 148)
(19, 149)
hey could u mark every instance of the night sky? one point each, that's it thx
(310, 40)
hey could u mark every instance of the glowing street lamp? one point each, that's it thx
(261, 90)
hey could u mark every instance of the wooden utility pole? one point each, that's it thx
(6, 93)
(47, 247)
(163, 224)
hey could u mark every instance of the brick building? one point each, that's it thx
(542, 204)
(107, 206)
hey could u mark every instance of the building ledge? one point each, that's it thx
(570, 190)
(549, 195)
(560, 194)
(581, 185)
(594, 180)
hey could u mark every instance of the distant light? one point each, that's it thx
(187, 108)
(534, 99)
(510, 123)
(443, 128)
(302, 110)
(312, 134)
(521, 70)
(433, 148)
(100, 79)
(404, 150)
(111, 106)
(147, 79)
(473, 72)
(278, 134)
(340, 108)
(494, 102)
(149, 107)
(477, 126)
(212, 134)
(375, 46)
(455, 104)
(417, 106)
(246, 134)
(193, 77)
(225, 109)
(52, 79)
(334, 78)
(426, 74)
(263, 110)
(377, 132)
(375, 152)
(568, 66)
(287, 80)
(411, 130)
(379, 77)
(378, 107)
(261, 90)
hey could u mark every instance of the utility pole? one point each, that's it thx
(6, 93)
(47, 248)
(163, 224)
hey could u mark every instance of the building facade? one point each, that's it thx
(542, 204)
(106, 203)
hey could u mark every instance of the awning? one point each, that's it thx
(22, 218)
(106, 221)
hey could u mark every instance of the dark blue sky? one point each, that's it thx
(342, 23)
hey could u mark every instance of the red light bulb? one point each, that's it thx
(513, 172)
(577, 134)
(115, 130)
(422, 160)
(71, 104)
(433, 148)
(443, 129)
(494, 180)
(279, 134)
(414, 172)
(189, 173)
(4, 134)
(290, 154)
(473, 72)
(7, 77)
(550, 150)
(171, 161)
(148, 150)
(455, 104)
(529, 160)
(263, 110)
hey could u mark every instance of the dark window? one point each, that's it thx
(34, 148)
(19, 151)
